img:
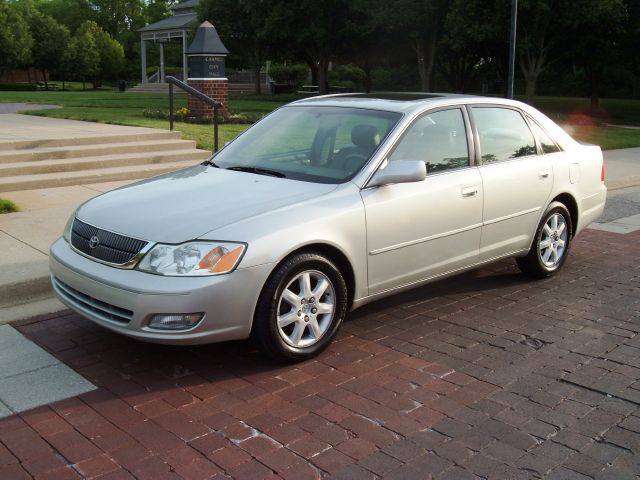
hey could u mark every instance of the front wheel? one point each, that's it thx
(551, 243)
(300, 308)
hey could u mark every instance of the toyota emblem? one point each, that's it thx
(94, 242)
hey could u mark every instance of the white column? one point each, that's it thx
(185, 67)
(161, 62)
(143, 56)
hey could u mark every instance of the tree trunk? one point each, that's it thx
(368, 80)
(418, 47)
(425, 49)
(44, 77)
(256, 73)
(323, 76)
(530, 87)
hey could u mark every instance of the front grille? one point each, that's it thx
(100, 309)
(111, 248)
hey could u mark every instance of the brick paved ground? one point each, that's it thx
(484, 375)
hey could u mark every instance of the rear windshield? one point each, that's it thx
(310, 143)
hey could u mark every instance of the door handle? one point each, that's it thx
(469, 191)
(544, 173)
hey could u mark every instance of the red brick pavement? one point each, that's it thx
(486, 375)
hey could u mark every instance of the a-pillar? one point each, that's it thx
(216, 88)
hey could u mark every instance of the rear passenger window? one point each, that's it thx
(548, 145)
(503, 133)
(439, 139)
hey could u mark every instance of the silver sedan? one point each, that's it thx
(327, 204)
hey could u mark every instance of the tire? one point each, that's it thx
(290, 323)
(545, 261)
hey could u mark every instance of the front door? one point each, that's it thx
(419, 230)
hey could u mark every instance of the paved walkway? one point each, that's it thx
(486, 375)
(19, 107)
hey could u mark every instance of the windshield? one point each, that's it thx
(316, 144)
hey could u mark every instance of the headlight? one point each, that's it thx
(192, 259)
(66, 234)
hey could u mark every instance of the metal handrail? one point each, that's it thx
(200, 96)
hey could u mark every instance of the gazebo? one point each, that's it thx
(176, 26)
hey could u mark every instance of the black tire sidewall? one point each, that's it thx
(266, 327)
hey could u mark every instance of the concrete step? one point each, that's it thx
(101, 161)
(87, 140)
(60, 179)
(106, 149)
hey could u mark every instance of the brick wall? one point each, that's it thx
(215, 88)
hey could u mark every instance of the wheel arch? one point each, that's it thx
(334, 254)
(569, 201)
(337, 256)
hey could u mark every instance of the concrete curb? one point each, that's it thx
(631, 181)
(19, 292)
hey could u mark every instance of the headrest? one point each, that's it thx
(365, 136)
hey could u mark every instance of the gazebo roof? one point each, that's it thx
(174, 22)
(207, 41)
(186, 5)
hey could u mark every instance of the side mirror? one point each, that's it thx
(399, 171)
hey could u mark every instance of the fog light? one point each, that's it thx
(175, 321)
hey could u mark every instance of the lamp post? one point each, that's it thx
(512, 47)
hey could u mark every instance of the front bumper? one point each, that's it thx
(125, 300)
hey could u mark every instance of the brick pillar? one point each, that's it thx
(216, 88)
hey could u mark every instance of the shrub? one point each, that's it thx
(295, 74)
(18, 87)
(7, 206)
(349, 76)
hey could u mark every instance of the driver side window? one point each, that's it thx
(439, 139)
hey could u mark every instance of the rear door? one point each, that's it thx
(516, 181)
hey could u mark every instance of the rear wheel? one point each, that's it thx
(301, 308)
(551, 243)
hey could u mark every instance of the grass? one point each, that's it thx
(7, 206)
(111, 106)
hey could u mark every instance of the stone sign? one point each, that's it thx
(206, 66)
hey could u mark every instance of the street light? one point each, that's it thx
(512, 46)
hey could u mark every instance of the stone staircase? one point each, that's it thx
(154, 88)
(163, 88)
(57, 162)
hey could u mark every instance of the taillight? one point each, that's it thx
(602, 172)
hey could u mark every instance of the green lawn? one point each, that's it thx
(110, 106)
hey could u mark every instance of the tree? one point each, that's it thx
(118, 16)
(318, 31)
(242, 26)
(478, 45)
(422, 22)
(70, 13)
(110, 52)
(15, 38)
(82, 59)
(50, 41)
(594, 30)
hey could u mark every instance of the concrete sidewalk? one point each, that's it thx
(25, 236)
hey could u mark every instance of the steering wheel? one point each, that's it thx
(353, 162)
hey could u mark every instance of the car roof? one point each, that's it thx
(402, 102)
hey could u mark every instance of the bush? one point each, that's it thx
(18, 87)
(295, 74)
(7, 206)
(349, 76)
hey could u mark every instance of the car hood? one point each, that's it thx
(188, 203)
